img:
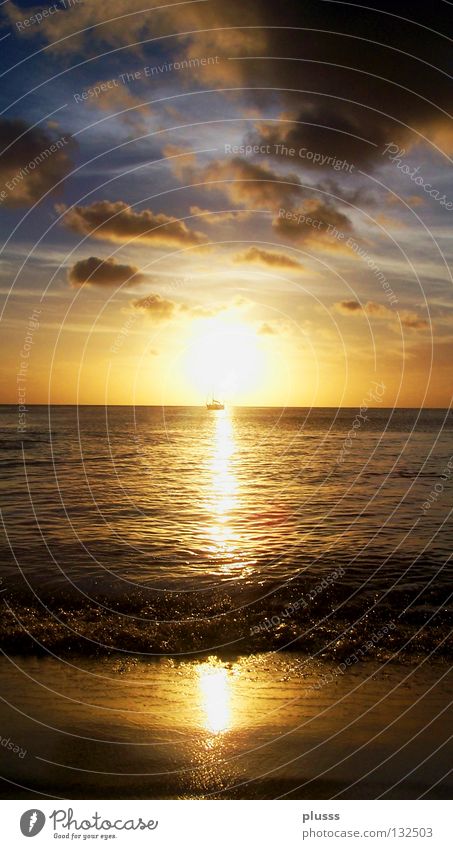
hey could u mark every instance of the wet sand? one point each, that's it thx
(262, 726)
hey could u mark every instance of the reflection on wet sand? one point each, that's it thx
(214, 683)
(250, 727)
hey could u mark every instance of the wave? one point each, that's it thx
(330, 623)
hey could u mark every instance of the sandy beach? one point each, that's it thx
(254, 727)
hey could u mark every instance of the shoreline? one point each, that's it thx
(255, 727)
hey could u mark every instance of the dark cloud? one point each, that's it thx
(157, 307)
(408, 319)
(366, 78)
(244, 182)
(32, 162)
(259, 256)
(115, 221)
(347, 78)
(103, 272)
(347, 307)
(309, 225)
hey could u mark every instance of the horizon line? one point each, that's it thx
(240, 406)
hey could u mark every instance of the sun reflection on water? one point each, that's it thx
(214, 683)
(231, 550)
(223, 495)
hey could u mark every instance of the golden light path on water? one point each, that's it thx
(214, 679)
(223, 488)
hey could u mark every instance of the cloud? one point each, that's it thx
(85, 28)
(246, 183)
(157, 307)
(33, 164)
(115, 221)
(212, 217)
(258, 256)
(162, 309)
(308, 225)
(347, 307)
(181, 160)
(103, 272)
(367, 78)
(411, 200)
(116, 98)
(408, 319)
(267, 329)
(260, 186)
(351, 109)
(413, 321)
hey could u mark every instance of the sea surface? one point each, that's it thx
(179, 531)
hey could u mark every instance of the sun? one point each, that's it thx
(224, 358)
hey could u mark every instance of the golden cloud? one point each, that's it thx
(408, 319)
(213, 217)
(162, 309)
(115, 221)
(309, 225)
(156, 307)
(259, 256)
(117, 98)
(246, 183)
(103, 272)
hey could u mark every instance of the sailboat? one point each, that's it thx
(213, 404)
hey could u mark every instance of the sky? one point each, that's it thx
(251, 201)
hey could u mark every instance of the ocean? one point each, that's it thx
(178, 531)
